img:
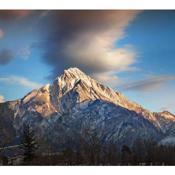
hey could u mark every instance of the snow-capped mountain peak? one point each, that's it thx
(74, 87)
(75, 99)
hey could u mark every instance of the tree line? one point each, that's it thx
(89, 150)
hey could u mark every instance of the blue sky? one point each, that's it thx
(134, 52)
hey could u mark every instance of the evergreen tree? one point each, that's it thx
(29, 144)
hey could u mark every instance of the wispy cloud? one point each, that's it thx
(20, 81)
(150, 84)
(24, 52)
(2, 99)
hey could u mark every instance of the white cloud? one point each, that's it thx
(22, 81)
(88, 40)
(108, 78)
(2, 99)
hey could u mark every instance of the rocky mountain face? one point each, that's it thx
(61, 112)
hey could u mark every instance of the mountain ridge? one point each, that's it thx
(78, 97)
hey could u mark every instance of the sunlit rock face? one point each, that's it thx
(75, 102)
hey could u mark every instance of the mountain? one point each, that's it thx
(62, 112)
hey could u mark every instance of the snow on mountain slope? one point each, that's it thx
(166, 121)
(39, 101)
(50, 98)
(75, 101)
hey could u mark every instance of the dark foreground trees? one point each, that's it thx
(87, 149)
(29, 144)
(97, 154)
